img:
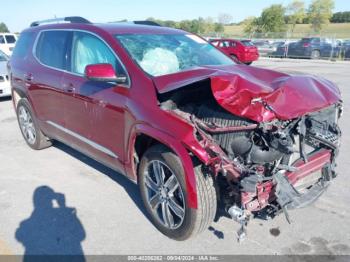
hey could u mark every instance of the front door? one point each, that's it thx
(94, 111)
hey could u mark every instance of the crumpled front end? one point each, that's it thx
(271, 142)
(279, 164)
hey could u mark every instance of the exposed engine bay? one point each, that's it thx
(261, 168)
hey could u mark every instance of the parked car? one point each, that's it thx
(5, 88)
(178, 117)
(7, 42)
(314, 48)
(264, 47)
(345, 50)
(280, 49)
(241, 50)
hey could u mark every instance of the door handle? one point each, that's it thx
(69, 88)
(102, 103)
(28, 77)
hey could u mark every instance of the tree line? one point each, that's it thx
(279, 18)
(341, 17)
(275, 18)
(198, 26)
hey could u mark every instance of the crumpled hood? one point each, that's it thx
(258, 94)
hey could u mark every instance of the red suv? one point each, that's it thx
(175, 115)
(243, 51)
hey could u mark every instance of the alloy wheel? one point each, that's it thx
(27, 125)
(164, 194)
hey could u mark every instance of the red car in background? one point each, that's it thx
(243, 51)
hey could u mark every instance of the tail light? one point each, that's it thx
(306, 44)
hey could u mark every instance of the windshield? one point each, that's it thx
(3, 57)
(161, 54)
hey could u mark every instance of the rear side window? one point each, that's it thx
(89, 49)
(23, 45)
(10, 39)
(247, 43)
(224, 44)
(51, 48)
(306, 40)
(2, 39)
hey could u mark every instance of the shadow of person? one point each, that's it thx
(52, 231)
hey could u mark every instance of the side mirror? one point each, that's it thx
(103, 73)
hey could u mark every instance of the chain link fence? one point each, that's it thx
(299, 46)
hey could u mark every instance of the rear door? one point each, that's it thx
(45, 78)
(233, 48)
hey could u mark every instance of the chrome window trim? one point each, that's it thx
(83, 139)
(128, 85)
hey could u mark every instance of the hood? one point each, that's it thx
(258, 94)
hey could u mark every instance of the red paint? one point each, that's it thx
(100, 71)
(113, 116)
(237, 49)
(258, 94)
(265, 191)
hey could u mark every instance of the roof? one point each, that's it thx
(112, 28)
(228, 39)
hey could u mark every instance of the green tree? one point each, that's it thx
(185, 25)
(250, 25)
(341, 17)
(319, 13)
(3, 28)
(272, 19)
(296, 13)
(219, 28)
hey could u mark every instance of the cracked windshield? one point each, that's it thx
(163, 54)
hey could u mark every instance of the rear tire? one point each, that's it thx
(29, 126)
(315, 54)
(194, 221)
(235, 58)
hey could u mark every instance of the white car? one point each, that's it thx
(5, 87)
(7, 42)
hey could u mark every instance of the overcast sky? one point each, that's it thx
(18, 14)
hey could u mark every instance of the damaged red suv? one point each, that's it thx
(196, 131)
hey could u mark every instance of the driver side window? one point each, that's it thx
(89, 49)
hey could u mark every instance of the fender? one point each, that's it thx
(173, 144)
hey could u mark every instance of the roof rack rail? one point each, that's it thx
(146, 22)
(68, 19)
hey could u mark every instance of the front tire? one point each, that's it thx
(29, 126)
(163, 191)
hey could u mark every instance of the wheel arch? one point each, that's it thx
(144, 136)
(17, 94)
